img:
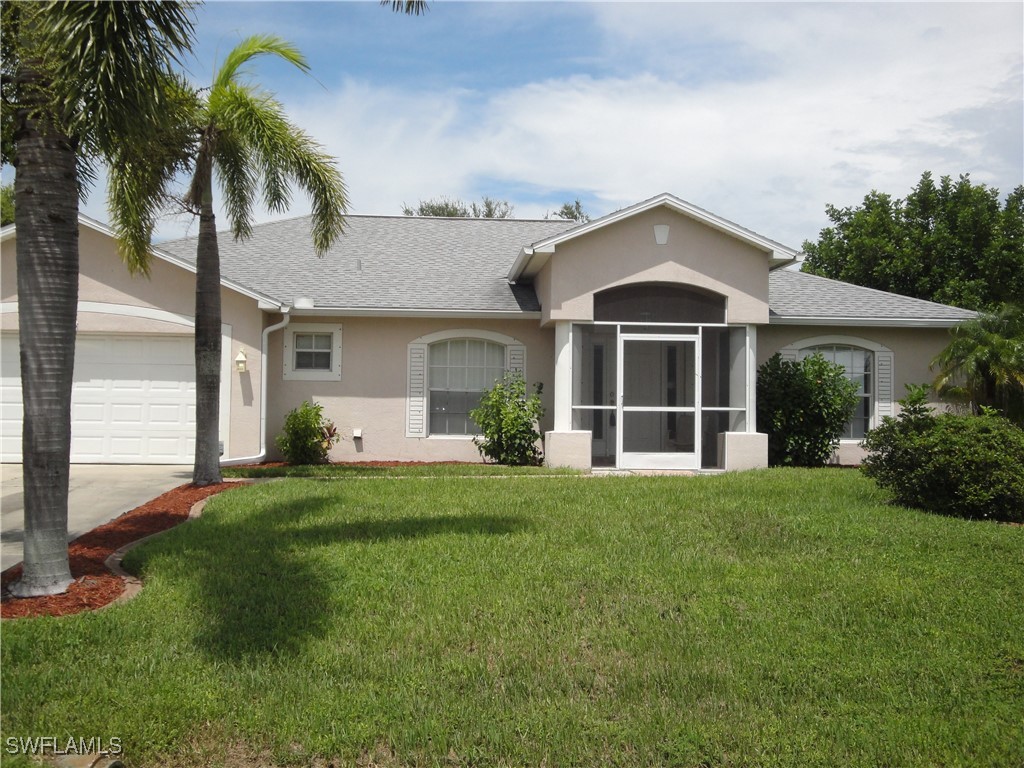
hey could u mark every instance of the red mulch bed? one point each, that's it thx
(94, 586)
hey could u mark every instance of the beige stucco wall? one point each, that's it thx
(374, 377)
(626, 252)
(913, 350)
(104, 279)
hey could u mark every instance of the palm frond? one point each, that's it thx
(236, 174)
(282, 153)
(128, 49)
(410, 7)
(256, 45)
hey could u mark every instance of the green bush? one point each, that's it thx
(952, 464)
(307, 436)
(804, 407)
(508, 418)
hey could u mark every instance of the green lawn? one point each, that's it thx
(774, 618)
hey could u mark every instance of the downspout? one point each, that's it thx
(264, 354)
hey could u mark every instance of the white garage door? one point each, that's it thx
(132, 402)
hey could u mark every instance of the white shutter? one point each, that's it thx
(416, 402)
(516, 358)
(883, 385)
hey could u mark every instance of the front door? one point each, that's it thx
(658, 401)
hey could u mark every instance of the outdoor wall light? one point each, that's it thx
(241, 361)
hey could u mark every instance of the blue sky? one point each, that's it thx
(760, 112)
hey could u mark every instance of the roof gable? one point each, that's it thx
(532, 257)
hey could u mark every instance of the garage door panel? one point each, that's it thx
(133, 400)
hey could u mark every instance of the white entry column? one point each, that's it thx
(563, 446)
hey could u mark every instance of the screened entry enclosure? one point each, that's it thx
(658, 377)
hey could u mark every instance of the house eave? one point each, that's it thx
(873, 322)
(476, 314)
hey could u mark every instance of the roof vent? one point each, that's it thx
(303, 302)
(661, 234)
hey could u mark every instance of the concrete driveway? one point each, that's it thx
(97, 493)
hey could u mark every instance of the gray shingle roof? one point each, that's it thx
(386, 262)
(796, 296)
(422, 263)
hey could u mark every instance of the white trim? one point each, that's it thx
(849, 341)
(474, 314)
(467, 333)
(226, 371)
(123, 310)
(866, 322)
(291, 374)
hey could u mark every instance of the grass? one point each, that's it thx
(773, 618)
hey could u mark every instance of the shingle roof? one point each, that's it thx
(441, 264)
(801, 297)
(387, 262)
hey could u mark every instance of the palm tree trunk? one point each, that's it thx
(46, 216)
(206, 470)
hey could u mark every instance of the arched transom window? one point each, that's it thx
(460, 371)
(858, 365)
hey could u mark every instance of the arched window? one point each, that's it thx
(858, 365)
(460, 371)
(448, 371)
(658, 303)
(866, 363)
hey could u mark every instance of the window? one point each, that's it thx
(460, 370)
(448, 370)
(858, 364)
(312, 352)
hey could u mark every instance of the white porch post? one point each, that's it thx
(751, 378)
(562, 446)
(563, 376)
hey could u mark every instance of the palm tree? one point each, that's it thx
(82, 80)
(245, 137)
(984, 362)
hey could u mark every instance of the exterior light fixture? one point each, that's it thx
(241, 361)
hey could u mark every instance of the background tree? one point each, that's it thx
(487, 208)
(984, 363)
(245, 137)
(6, 205)
(951, 242)
(572, 212)
(82, 81)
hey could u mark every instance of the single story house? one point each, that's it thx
(645, 328)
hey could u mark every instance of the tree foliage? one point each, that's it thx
(572, 212)
(804, 407)
(6, 205)
(83, 83)
(950, 242)
(508, 418)
(449, 207)
(983, 365)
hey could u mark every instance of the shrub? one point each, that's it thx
(508, 418)
(804, 407)
(307, 436)
(964, 466)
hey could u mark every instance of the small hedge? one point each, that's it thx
(307, 436)
(508, 418)
(804, 407)
(963, 466)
